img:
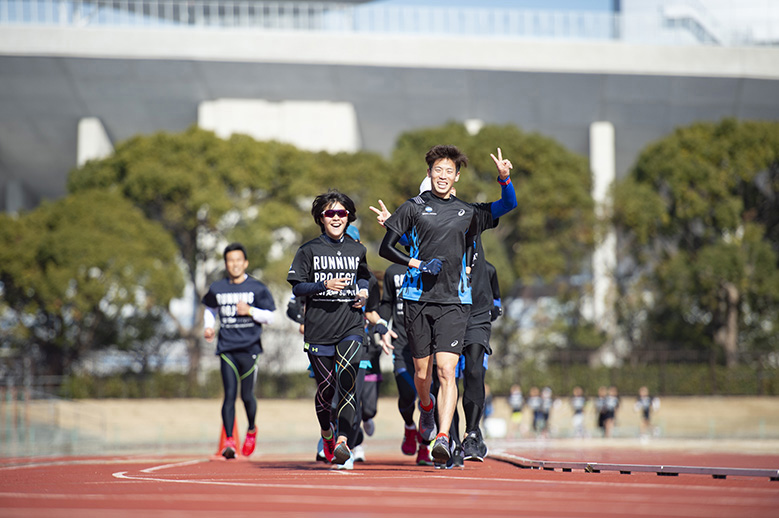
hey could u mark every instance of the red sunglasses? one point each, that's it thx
(330, 213)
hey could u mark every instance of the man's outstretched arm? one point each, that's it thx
(508, 197)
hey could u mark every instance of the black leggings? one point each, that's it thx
(473, 386)
(339, 371)
(404, 379)
(407, 395)
(238, 368)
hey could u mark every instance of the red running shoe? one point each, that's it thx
(249, 443)
(409, 444)
(329, 447)
(423, 456)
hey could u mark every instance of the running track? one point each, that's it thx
(388, 485)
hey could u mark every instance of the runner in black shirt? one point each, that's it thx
(332, 273)
(436, 289)
(369, 372)
(485, 303)
(485, 309)
(243, 304)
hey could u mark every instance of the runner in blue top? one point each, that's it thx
(243, 304)
(442, 231)
(485, 304)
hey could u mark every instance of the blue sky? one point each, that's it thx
(560, 5)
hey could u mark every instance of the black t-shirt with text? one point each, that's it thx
(329, 314)
(236, 331)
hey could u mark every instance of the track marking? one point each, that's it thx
(173, 465)
(123, 475)
(79, 462)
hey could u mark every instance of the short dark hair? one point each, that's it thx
(436, 153)
(329, 198)
(232, 247)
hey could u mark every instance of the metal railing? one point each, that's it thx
(306, 16)
(690, 26)
(37, 423)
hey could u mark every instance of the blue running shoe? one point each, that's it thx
(320, 450)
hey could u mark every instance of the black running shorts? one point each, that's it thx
(434, 328)
(479, 334)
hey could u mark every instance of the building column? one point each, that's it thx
(93, 142)
(604, 259)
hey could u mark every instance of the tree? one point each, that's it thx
(699, 220)
(75, 271)
(206, 191)
(196, 186)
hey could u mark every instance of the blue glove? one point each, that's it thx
(433, 266)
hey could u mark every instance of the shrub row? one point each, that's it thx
(663, 380)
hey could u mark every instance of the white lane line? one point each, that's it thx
(173, 465)
(123, 475)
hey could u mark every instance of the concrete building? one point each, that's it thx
(77, 76)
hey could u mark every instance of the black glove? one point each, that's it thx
(495, 313)
(433, 266)
(295, 310)
(381, 329)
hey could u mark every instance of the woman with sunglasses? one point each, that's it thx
(332, 273)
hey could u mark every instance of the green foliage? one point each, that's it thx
(76, 270)
(664, 379)
(640, 208)
(129, 385)
(133, 385)
(700, 216)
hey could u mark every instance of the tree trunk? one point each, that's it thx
(192, 338)
(726, 335)
(195, 353)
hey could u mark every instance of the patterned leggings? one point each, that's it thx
(337, 372)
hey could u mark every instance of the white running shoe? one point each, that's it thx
(358, 453)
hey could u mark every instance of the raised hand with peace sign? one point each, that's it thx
(504, 165)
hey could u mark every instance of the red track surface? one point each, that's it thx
(388, 485)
